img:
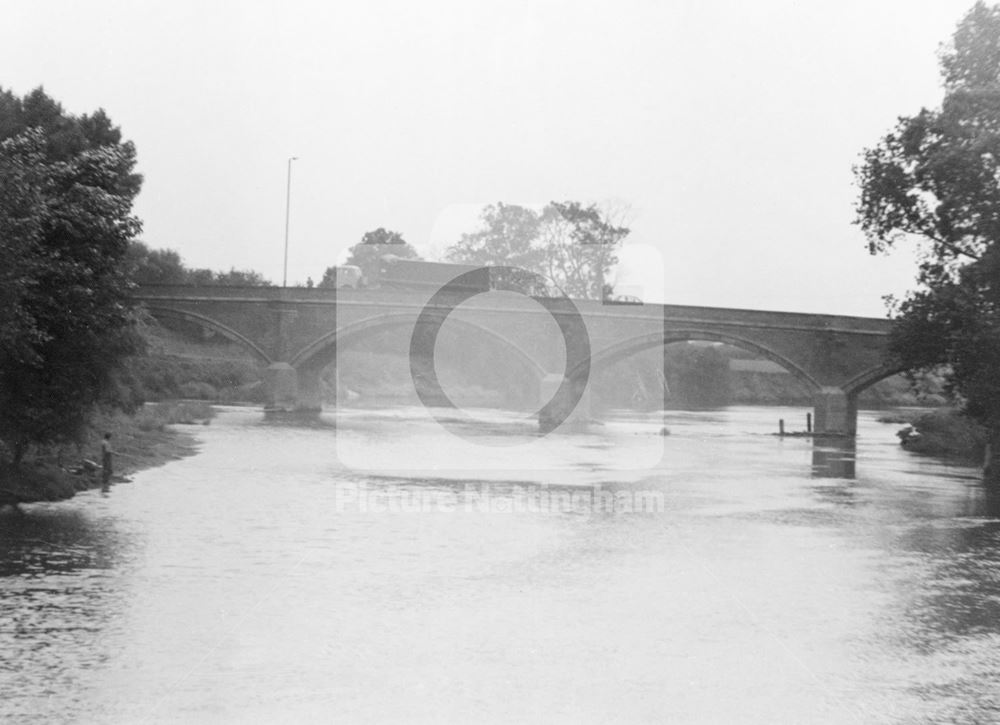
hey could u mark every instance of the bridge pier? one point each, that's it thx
(836, 412)
(281, 383)
(560, 414)
(309, 397)
(292, 391)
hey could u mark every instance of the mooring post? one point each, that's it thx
(809, 422)
(781, 426)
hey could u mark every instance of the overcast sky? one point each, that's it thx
(728, 128)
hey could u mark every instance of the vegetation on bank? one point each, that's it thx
(945, 433)
(71, 338)
(934, 181)
(53, 472)
(67, 324)
(164, 377)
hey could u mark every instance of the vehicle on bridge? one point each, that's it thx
(623, 300)
(398, 273)
(347, 275)
(401, 273)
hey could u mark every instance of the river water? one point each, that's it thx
(360, 574)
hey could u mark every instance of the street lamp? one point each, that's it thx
(288, 203)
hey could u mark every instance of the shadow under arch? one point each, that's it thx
(871, 376)
(209, 323)
(321, 352)
(627, 348)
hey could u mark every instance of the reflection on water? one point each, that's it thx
(769, 580)
(834, 457)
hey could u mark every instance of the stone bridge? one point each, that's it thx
(296, 332)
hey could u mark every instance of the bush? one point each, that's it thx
(155, 416)
(199, 391)
(945, 433)
(254, 392)
(163, 377)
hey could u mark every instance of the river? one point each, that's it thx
(387, 571)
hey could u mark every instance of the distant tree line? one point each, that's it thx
(165, 266)
(565, 248)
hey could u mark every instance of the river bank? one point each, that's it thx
(944, 433)
(145, 440)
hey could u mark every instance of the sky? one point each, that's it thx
(728, 130)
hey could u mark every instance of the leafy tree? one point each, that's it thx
(20, 231)
(508, 238)
(934, 180)
(155, 266)
(67, 184)
(165, 266)
(571, 246)
(240, 278)
(580, 246)
(367, 254)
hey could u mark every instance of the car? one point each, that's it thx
(348, 275)
(623, 300)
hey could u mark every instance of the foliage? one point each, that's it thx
(165, 266)
(157, 416)
(944, 433)
(66, 326)
(57, 471)
(935, 180)
(580, 244)
(163, 377)
(154, 266)
(367, 254)
(571, 246)
(233, 278)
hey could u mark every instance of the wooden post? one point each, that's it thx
(781, 426)
(809, 422)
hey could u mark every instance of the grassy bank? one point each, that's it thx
(145, 440)
(944, 433)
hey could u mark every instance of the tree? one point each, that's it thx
(165, 266)
(67, 184)
(367, 254)
(571, 246)
(580, 245)
(155, 266)
(508, 238)
(240, 278)
(934, 180)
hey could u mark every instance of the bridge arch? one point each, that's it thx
(627, 348)
(321, 351)
(214, 325)
(871, 376)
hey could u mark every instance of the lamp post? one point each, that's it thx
(288, 204)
